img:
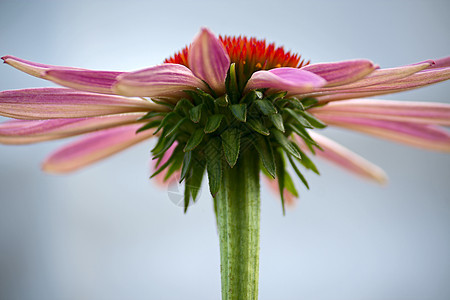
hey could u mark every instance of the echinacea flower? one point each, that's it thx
(231, 106)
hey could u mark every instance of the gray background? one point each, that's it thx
(108, 233)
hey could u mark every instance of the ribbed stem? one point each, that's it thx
(238, 214)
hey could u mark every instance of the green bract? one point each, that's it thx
(212, 133)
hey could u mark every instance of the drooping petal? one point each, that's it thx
(338, 73)
(383, 75)
(51, 103)
(419, 79)
(84, 80)
(344, 158)
(158, 81)
(294, 81)
(94, 147)
(209, 60)
(417, 112)
(424, 136)
(76, 78)
(33, 131)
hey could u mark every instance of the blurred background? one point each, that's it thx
(107, 232)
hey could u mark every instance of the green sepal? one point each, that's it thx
(214, 164)
(223, 101)
(195, 113)
(258, 126)
(149, 125)
(152, 114)
(164, 166)
(309, 101)
(285, 143)
(187, 196)
(289, 184)
(277, 121)
(195, 178)
(299, 119)
(266, 107)
(166, 121)
(186, 165)
(176, 165)
(195, 96)
(313, 120)
(213, 123)
(276, 96)
(280, 169)
(264, 148)
(163, 103)
(175, 127)
(183, 106)
(251, 96)
(239, 111)
(195, 139)
(162, 147)
(231, 84)
(231, 141)
(297, 171)
(306, 161)
(295, 103)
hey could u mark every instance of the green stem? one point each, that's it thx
(238, 214)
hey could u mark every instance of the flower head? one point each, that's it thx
(221, 96)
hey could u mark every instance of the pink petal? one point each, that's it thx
(32, 131)
(76, 78)
(344, 158)
(84, 80)
(343, 72)
(51, 103)
(294, 81)
(416, 112)
(209, 60)
(441, 63)
(419, 79)
(383, 75)
(419, 135)
(94, 147)
(158, 81)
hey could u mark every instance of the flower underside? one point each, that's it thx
(207, 132)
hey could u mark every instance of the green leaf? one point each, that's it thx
(176, 165)
(264, 148)
(239, 111)
(231, 141)
(195, 96)
(213, 123)
(187, 196)
(277, 121)
(285, 143)
(186, 165)
(257, 126)
(313, 120)
(164, 166)
(213, 154)
(195, 113)
(266, 107)
(297, 171)
(195, 139)
(280, 168)
(149, 125)
(300, 120)
(300, 131)
(222, 101)
(162, 147)
(305, 161)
